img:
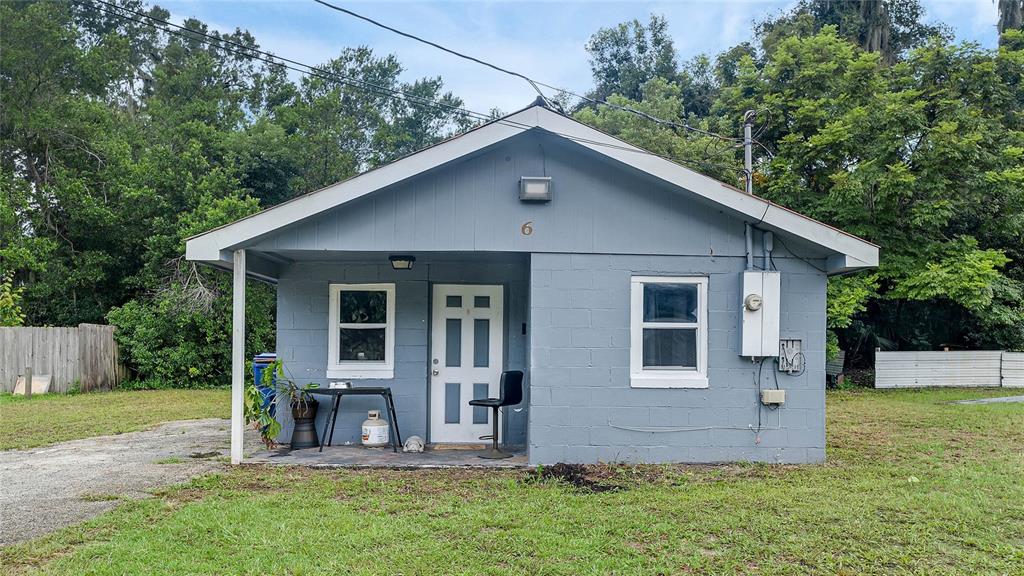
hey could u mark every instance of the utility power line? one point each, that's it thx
(533, 82)
(310, 70)
(249, 51)
(435, 45)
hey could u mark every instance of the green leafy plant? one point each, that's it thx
(285, 392)
(167, 343)
(10, 303)
(846, 296)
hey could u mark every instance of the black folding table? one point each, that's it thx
(382, 391)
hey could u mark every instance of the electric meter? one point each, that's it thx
(752, 302)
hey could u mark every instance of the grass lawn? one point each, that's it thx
(913, 485)
(50, 418)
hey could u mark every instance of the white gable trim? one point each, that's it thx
(211, 246)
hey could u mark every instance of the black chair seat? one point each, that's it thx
(511, 390)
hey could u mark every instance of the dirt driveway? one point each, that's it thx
(44, 489)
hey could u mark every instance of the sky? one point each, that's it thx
(543, 40)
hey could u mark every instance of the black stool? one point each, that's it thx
(511, 393)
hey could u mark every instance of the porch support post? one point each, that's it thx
(237, 356)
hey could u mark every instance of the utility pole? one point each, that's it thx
(748, 149)
(748, 173)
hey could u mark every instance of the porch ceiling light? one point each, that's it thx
(535, 189)
(402, 262)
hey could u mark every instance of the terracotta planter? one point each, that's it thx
(304, 433)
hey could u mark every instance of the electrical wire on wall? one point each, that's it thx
(801, 258)
(760, 405)
(758, 379)
(802, 363)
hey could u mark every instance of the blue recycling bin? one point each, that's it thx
(260, 363)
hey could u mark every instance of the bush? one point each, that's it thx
(863, 378)
(10, 303)
(168, 342)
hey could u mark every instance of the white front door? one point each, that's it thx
(465, 360)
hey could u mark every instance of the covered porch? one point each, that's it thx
(437, 328)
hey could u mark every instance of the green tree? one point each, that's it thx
(54, 128)
(120, 139)
(662, 99)
(338, 129)
(888, 27)
(625, 57)
(922, 157)
(1011, 17)
(918, 149)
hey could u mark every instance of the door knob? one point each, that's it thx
(435, 372)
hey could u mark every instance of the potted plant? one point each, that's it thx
(260, 413)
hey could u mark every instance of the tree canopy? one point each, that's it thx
(918, 148)
(119, 139)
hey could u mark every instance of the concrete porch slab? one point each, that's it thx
(360, 457)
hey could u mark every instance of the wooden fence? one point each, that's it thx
(960, 368)
(86, 355)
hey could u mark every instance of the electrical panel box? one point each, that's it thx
(791, 357)
(772, 397)
(761, 296)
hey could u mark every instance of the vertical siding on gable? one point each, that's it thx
(598, 207)
(583, 409)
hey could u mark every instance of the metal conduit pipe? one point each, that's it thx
(748, 236)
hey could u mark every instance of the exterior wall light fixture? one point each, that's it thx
(402, 261)
(535, 189)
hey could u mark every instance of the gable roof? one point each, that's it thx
(848, 252)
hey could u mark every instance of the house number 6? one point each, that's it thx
(527, 228)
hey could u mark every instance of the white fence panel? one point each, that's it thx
(1013, 369)
(964, 368)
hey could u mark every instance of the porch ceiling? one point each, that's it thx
(268, 265)
(289, 256)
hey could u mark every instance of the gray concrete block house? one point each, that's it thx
(654, 310)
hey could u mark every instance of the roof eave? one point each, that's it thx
(840, 264)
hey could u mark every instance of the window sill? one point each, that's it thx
(667, 381)
(360, 373)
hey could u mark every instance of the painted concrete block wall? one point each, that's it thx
(582, 408)
(302, 317)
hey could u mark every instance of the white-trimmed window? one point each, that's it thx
(668, 325)
(361, 331)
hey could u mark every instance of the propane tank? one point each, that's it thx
(375, 430)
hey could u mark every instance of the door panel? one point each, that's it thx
(465, 361)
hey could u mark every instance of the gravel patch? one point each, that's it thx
(997, 400)
(45, 489)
